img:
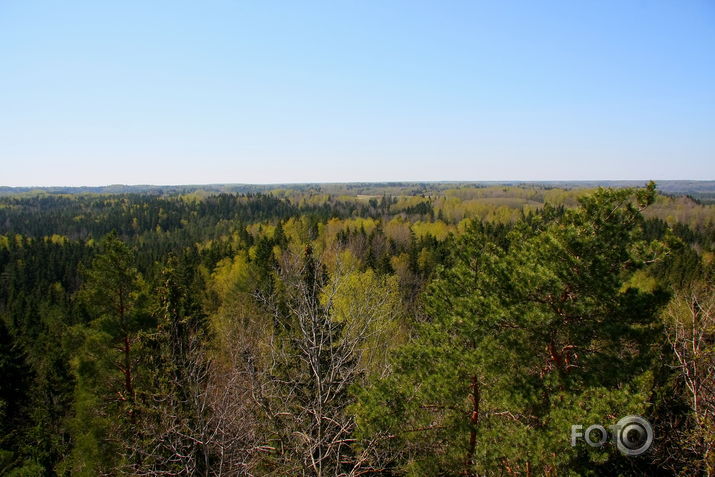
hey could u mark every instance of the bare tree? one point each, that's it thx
(314, 359)
(690, 322)
(194, 410)
(205, 429)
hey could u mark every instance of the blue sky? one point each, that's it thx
(180, 92)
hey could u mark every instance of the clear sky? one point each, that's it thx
(176, 92)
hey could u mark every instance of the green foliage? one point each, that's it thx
(522, 340)
(431, 329)
(171, 407)
(106, 359)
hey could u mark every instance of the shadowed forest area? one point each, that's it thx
(346, 330)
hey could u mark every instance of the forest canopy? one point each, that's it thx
(395, 329)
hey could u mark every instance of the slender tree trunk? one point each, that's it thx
(126, 350)
(474, 420)
(128, 370)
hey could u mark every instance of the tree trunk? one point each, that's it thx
(474, 420)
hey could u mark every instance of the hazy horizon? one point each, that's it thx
(556, 182)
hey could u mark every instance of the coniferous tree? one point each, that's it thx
(523, 340)
(106, 360)
(173, 425)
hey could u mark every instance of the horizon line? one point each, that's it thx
(268, 184)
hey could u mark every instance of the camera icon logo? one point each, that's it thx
(633, 435)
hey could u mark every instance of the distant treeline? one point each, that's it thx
(701, 190)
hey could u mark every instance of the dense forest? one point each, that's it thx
(401, 330)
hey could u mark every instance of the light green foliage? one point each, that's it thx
(368, 305)
(437, 229)
(236, 320)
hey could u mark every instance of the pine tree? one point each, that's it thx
(525, 338)
(106, 360)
